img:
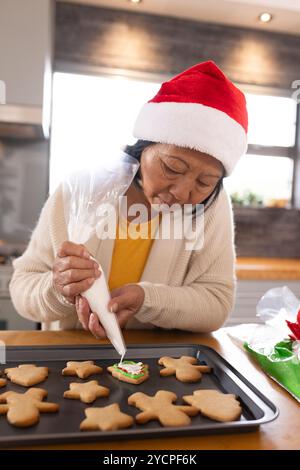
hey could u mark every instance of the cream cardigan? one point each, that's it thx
(187, 290)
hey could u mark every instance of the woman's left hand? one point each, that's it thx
(125, 302)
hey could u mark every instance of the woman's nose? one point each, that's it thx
(181, 192)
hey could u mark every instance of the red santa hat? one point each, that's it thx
(200, 109)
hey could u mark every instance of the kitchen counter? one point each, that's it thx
(267, 269)
(282, 433)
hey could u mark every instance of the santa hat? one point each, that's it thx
(200, 109)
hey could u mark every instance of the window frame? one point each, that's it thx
(296, 171)
(277, 151)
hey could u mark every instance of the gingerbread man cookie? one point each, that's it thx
(129, 371)
(186, 368)
(82, 369)
(23, 409)
(86, 392)
(27, 374)
(161, 408)
(108, 418)
(215, 405)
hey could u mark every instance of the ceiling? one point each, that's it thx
(286, 13)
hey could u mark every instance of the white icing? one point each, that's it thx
(122, 358)
(133, 369)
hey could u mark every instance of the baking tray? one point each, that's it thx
(63, 427)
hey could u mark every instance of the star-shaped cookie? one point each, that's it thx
(86, 392)
(215, 405)
(27, 374)
(23, 409)
(160, 407)
(108, 418)
(186, 368)
(82, 369)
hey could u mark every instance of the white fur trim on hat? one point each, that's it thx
(195, 126)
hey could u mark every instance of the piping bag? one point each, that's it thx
(88, 197)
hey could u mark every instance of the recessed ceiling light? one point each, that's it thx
(135, 1)
(265, 17)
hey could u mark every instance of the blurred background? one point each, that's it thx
(74, 74)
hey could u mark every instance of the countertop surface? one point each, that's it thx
(282, 433)
(268, 269)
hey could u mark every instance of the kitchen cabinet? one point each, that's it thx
(257, 275)
(9, 318)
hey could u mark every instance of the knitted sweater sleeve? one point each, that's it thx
(206, 299)
(31, 288)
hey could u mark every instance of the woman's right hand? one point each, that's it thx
(73, 270)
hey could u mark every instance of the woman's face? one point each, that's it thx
(172, 174)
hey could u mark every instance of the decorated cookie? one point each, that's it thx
(27, 374)
(108, 418)
(215, 405)
(23, 409)
(82, 369)
(86, 392)
(129, 371)
(160, 407)
(186, 368)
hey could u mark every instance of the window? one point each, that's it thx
(265, 175)
(92, 118)
(272, 120)
(261, 179)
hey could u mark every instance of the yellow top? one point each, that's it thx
(131, 249)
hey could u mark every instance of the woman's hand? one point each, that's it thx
(73, 270)
(125, 302)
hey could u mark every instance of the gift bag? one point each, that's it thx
(276, 344)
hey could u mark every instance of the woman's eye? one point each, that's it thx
(204, 185)
(167, 168)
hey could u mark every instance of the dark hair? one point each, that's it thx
(136, 151)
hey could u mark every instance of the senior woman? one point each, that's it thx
(190, 135)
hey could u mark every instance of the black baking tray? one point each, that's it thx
(63, 427)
